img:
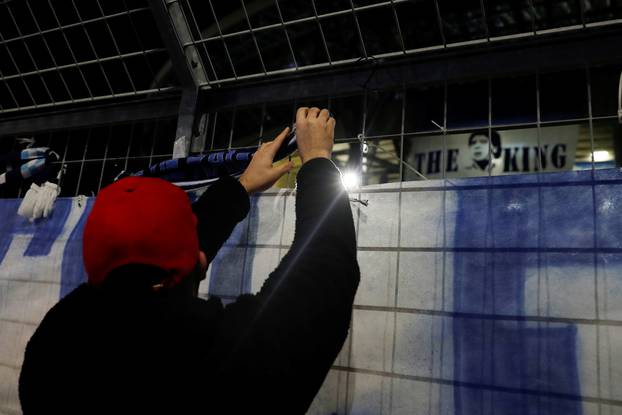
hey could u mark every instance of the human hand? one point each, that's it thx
(315, 132)
(260, 174)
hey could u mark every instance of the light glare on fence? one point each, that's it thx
(351, 180)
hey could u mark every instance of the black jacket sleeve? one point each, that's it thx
(282, 342)
(218, 210)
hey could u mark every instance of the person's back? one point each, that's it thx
(108, 351)
(129, 345)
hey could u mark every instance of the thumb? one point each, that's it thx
(287, 167)
(281, 170)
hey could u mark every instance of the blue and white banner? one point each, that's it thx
(487, 296)
(39, 263)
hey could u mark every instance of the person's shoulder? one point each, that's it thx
(81, 297)
(70, 310)
(62, 323)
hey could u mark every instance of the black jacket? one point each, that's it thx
(119, 349)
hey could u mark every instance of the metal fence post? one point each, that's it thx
(175, 31)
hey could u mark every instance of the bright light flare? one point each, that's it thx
(351, 180)
(602, 156)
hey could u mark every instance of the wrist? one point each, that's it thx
(326, 154)
(246, 185)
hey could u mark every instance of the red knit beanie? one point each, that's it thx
(141, 220)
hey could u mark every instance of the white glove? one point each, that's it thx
(45, 200)
(27, 207)
(39, 201)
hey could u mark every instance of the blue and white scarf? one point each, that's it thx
(25, 164)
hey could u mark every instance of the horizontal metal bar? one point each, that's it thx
(545, 395)
(165, 107)
(296, 21)
(603, 23)
(311, 67)
(559, 29)
(22, 322)
(82, 100)
(170, 155)
(463, 130)
(543, 54)
(490, 317)
(77, 24)
(83, 63)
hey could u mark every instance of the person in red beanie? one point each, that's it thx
(136, 338)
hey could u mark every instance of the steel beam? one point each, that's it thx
(187, 64)
(91, 117)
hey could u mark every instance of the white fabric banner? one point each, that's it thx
(502, 300)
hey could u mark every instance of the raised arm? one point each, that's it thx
(285, 339)
(226, 202)
(218, 211)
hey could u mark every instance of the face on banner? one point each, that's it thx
(495, 152)
(480, 147)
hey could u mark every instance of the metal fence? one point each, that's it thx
(255, 39)
(390, 121)
(95, 156)
(55, 53)
(69, 56)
